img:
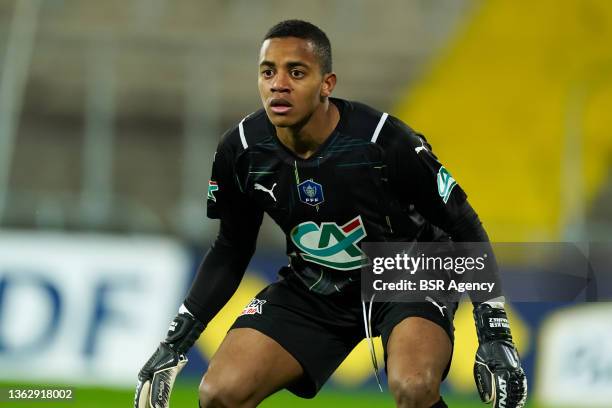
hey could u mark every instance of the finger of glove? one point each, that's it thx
(162, 384)
(502, 390)
(517, 389)
(142, 394)
(485, 382)
(164, 357)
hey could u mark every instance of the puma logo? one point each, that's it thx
(421, 147)
(269, 191)
(441, 308)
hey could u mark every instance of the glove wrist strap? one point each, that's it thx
(491, 323)
(183, 332)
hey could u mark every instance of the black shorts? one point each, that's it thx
(319, 331)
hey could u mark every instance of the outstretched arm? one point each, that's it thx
(217, 278)
(221, 270)
(437, 196)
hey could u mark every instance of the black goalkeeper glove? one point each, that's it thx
(499, 377)
(156, 378)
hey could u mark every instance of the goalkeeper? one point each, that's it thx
(332, 174)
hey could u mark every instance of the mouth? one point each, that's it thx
(280, 105)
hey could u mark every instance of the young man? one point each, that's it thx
(331, 173)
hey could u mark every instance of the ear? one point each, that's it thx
(329, 83)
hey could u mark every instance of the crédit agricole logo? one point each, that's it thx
(331, 245)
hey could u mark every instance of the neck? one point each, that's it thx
(305, 138)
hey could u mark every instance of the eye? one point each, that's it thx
(267, 73)
(297, 74)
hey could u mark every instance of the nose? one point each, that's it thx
(280, 83)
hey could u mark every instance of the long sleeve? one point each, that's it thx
(224, 265)
(421, 180)
(221, 270)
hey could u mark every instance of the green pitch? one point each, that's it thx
(185, 396)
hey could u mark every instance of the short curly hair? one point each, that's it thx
(307, 31)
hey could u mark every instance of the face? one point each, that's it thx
(290, 82)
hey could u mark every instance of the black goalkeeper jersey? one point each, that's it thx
(373, 180)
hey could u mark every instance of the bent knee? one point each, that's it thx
(415, 390)
(222, 392)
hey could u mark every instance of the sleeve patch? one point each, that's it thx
(446, 183)
(212, 188)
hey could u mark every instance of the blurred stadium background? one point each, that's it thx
(110, 113)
